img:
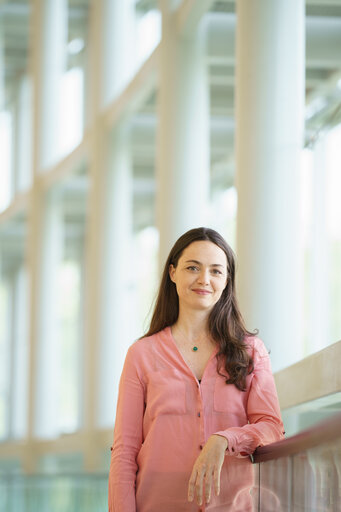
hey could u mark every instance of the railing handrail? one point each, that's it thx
(314, 385)
(323, 432)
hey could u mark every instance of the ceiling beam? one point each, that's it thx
(323, 41)
(189, 15)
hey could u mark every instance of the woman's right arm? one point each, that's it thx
(127, 437)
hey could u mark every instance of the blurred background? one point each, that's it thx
(123, 123)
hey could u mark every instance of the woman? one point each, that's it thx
(196, 393)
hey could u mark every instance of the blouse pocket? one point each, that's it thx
(228, 399)
(166, 394)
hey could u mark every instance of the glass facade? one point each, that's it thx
(307, 481)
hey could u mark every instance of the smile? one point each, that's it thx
(202, 292)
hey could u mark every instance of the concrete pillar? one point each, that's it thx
(20, 356)
(183, 135)
(117, 318)
(110, 226)
(24, 135)
(48, 363)
(109, 177)
(2, 65)
(34, 245)
(118, 22)
(5, 158)
(5, 142)
(269, 136)
(51, 25)
(14, 113)
(6, 315)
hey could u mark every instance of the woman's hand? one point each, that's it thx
(207, 466)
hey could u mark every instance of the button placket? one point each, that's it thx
(200, 418)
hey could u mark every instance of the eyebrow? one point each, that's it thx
(199, 263)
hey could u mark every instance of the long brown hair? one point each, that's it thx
(225, 323)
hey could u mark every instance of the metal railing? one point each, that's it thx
(301, 473)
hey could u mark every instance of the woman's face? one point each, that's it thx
(200, 275)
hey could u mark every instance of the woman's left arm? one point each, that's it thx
(265, 423)
(265, 426)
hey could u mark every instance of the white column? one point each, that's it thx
(20, 356)
(269, 136)
(2, 66)
(51, 25)
(117, 273)
(118, 22)
(48, 364)
(93, 241)
(24, 135)
(6, 350)
(13, 112)
(34, 243)
(183, 136)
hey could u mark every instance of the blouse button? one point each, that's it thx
(198, 414)
(200, 446)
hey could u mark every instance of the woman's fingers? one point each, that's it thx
(201, 479)
(195, 485)
(191, 484)
(199, 485)
(208, 486)
(206, 470)
(216, 479)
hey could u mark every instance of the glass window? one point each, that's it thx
(146, 246)
(148, 33)
(24, 139)
(71, 113)
(69, 316)
(223, 214)
(333, 217)
(321, 217)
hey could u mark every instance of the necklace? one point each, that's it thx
(195, 348)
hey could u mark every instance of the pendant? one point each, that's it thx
(195, 349)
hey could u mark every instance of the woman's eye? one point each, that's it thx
(192, 267)
(216, 271)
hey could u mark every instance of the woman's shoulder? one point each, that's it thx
(145, 345)
(256, 347)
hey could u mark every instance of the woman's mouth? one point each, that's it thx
(201, 292)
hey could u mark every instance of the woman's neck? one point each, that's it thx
(193, 325)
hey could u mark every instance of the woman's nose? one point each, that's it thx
(203, 277)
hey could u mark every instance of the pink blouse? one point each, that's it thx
(164, 417)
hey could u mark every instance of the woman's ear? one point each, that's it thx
(171, 272)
